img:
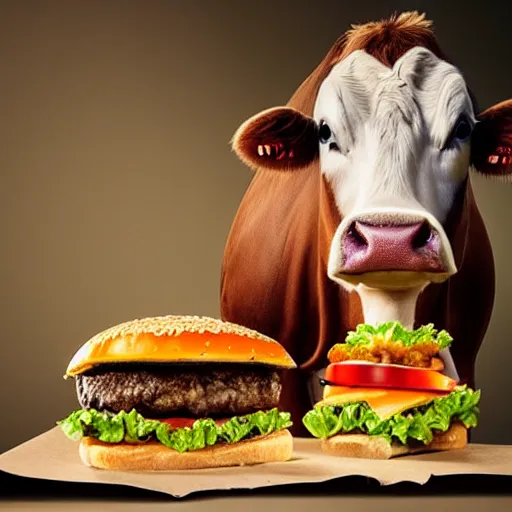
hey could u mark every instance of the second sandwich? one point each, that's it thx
(385, 395)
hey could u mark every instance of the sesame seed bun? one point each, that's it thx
(153, 456)
(173, 338)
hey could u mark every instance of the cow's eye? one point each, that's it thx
(324, 133)
(460, 133)
(462, 130)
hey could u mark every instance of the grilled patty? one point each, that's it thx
(179, 390)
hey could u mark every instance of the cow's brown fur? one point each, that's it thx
(274, 275)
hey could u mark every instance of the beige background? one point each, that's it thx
(118, 186)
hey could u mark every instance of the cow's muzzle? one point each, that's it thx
(392, 249)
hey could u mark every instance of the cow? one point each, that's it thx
(360, 207)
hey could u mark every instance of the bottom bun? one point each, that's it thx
(375, 447)
(154, 456)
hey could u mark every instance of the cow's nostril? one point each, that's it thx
(356, 236)
(423, 236)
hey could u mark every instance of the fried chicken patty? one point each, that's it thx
(171, 390)
(423, 355)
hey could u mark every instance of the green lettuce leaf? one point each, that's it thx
(132, 427)
(420, 423)
(396, 332)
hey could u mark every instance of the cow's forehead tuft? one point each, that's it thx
(364, 84)
(415, 66)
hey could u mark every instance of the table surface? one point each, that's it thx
(236, 504)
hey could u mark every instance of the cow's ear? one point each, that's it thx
(280, 138)
(491, 144)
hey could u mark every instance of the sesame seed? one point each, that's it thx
(174, 325)
(167, 326)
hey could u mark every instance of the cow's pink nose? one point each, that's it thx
(412, 247)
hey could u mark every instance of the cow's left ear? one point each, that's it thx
(491, 142)
(279, 138)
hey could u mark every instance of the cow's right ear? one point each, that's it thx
(491, 144)
(279, 138)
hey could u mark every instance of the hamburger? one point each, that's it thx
(177, 393)
(385, 395)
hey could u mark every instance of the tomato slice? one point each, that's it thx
(366, 374)
(186, 422)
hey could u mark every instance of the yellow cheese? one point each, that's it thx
(384, 402)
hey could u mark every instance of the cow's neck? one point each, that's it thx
(381, 306)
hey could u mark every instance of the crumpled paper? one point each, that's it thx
(53, 456)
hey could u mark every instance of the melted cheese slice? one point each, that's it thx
(384, 402)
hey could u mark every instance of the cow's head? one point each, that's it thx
(395, 144)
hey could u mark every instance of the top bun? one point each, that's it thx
(178, 339)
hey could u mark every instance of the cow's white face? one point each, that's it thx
(394, 137)
(394, 146)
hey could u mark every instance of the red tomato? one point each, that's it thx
(365, 374)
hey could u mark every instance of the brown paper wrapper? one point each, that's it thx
(52, 456)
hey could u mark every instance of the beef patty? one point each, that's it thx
(184, 390)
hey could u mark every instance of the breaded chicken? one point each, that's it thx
(424, 355)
